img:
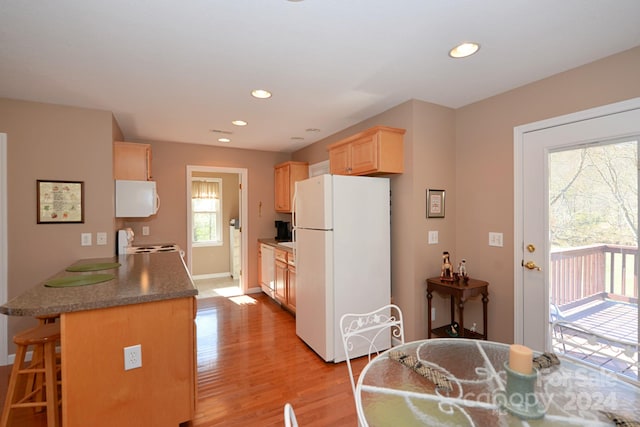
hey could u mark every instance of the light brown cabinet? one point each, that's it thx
(131, 161)
(291, 283)
(281, 276)
(375, 151)
(284, 275)
(285, 177)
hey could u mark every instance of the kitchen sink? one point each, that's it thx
(288, 244)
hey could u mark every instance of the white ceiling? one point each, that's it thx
(173, 70)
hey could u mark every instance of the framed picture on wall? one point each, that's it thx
(60, 202)
(435, 203)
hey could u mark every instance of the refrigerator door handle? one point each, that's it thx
(293, 222)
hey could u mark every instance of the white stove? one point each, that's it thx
(150, 249)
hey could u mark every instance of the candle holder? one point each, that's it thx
(519, 398)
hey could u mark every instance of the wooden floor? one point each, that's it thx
(250, 363)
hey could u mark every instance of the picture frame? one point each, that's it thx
(435, 203)
(60, 202)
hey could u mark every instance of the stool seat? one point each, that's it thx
(38, 335)
(41, 389)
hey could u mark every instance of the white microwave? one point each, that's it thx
(136, 199)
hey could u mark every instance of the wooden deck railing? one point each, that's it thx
(599, 270)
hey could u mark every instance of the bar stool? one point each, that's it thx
(43, 337)
(35, 381)
(48, 318)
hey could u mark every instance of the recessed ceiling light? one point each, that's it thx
(297, 138)
(261, 93)
(224, 140)
(464, 49)
(239, 123)
(313, 130)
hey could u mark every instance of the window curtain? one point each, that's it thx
(204, 190)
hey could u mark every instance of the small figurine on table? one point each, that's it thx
(453, 329)
(446, 272)
(462, 270)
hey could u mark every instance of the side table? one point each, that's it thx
(459, 292)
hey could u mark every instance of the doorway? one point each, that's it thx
(576, 218)
(217, 228)
(3, 246)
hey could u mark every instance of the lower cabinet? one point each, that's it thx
(284, 279)
(291, 288)
(281, 275)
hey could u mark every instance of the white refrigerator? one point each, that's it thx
(342, 234)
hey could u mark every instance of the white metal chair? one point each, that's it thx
(289, 416)
(556, 315)
(618, 355)
(369, 334)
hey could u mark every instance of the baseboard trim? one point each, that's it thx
(211, 276)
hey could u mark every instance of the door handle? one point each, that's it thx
(531, 265)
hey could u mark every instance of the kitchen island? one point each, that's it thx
(149, 302)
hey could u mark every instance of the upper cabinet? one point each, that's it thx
(286, 175)
(131, 161)
(375, 151)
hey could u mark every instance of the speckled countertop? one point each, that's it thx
(275, 243)
(140, 278)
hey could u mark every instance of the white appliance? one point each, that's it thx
(136, 199)
(153, 249)
(342, 250)
(268, 270)
(125, 240)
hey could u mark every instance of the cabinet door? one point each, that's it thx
(131, 161)
(339, 160)
(281, 282)
(282, 193)
(364, 155)
(291, 289)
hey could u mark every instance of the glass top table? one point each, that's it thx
(389, 393)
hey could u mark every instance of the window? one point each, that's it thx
(206, 209)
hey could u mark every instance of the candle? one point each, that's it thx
(521, 359)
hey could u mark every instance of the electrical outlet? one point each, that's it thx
(433, 237)
(133, 357)
(101, 238)
(85, 239)
(145, 230)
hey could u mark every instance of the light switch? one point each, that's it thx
(495, 239)
(433, 237)
(85, 239)
(145, 230)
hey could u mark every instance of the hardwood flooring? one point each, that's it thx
(250, 363)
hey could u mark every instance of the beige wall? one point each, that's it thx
(469, 153)
(170, 161)
(429, 158)
(215, 259)
(58, 143)
(484, 165)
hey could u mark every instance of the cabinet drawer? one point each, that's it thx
(281, 255)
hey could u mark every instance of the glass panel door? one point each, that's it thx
(593, 247)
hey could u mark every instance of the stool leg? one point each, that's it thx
(51, 384)
(13, 382)
(35, 380)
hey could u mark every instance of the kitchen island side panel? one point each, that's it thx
(97, 391)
